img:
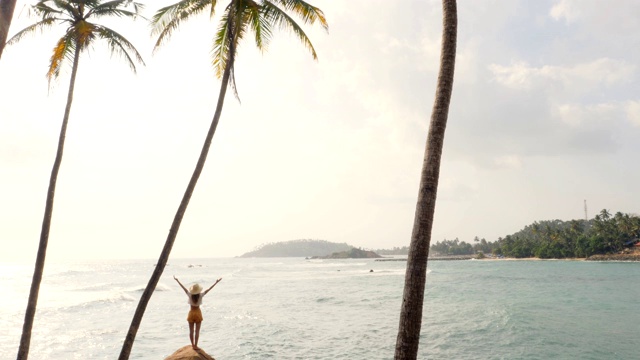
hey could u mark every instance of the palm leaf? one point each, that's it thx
(63, 50)
(46, 11)
(221, 42)
(87, 3)
(66, 5)
(307, 12)
(115, 8)
(232, 26)
(119, 45)
(261, 28)
(40, 25)
(278, 17)
(168, 18)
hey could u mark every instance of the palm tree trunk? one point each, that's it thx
(25, 340)
(173, 232)
(6, 14)
(413, 297)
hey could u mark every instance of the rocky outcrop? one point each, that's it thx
(615, 257)
(351, 254)
(187, 353)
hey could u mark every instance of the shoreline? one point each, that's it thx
(633, 257)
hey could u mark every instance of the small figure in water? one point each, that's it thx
(194, 318)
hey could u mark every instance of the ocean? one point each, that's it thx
(292, 308)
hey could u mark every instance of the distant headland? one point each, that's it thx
(311, 249)
(606, 237)
(297, 248)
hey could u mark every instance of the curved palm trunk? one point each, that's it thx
(6, 14)
(412, 302)
(25, 340)
(173, 232)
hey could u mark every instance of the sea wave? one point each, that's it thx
(159, 287)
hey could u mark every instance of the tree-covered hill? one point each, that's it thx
(395, 251)
(298, 248)
(606, 233)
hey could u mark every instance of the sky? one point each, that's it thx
(545, 114)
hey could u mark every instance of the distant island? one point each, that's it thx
(313, 249)
(352, 253)
(298, 248)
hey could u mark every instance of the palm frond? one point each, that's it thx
(40, 25)
(225, 42)
(168, 18)
(68, 7)
(46, 11)
(116, 8)
(307, 12)
(61, 52)
(119, 45)
(86, 3)
(221, 42)
(230, 31)
(238, 27)
(241, 20)
(260, 25)
(278, 17)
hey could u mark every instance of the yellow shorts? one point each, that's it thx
(195, 315)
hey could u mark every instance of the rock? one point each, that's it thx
(187, 353)
(614, 257)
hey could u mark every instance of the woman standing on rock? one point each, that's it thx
(194, 318)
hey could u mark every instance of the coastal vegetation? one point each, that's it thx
(352, 253)
(404, 250)
(81, 33)
(555, 239)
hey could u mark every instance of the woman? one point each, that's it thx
(194, 318)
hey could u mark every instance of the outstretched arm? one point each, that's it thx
(217, 281)
(182, 286)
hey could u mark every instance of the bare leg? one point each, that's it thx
(197, 334)
(193, 345)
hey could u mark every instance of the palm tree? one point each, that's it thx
(238, 18)
(413, 297)
(6, 14)
(80, 33)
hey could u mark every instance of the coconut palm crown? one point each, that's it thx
(258, 16)
(81, 32)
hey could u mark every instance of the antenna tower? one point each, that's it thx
(586, 217)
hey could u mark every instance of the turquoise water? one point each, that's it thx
(331, 309)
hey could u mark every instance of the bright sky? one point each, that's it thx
(545, 114)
